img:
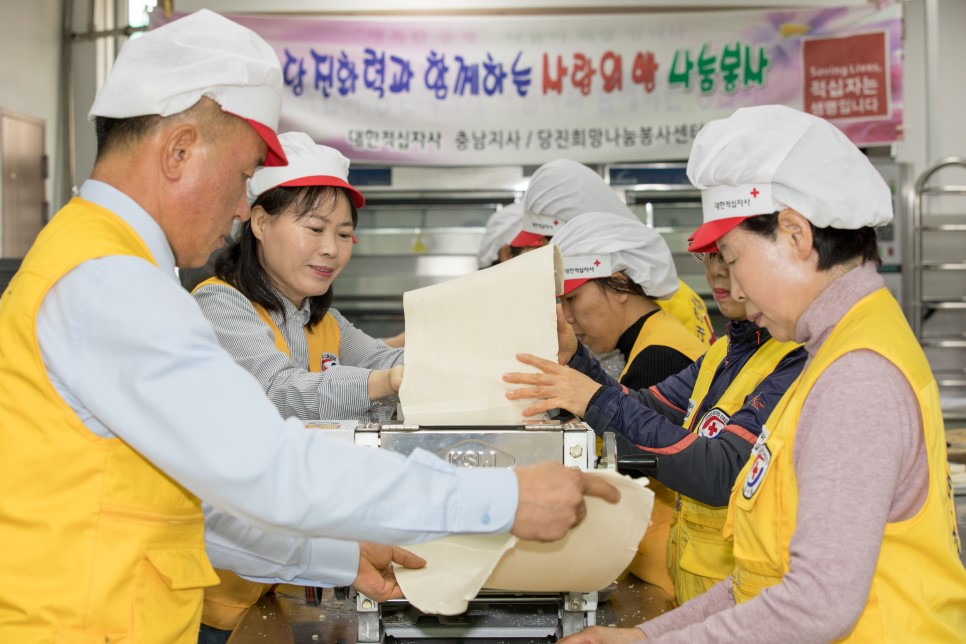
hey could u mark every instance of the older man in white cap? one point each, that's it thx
(842, 519)
(119, 409)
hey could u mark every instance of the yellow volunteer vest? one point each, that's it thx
(918, 592)
(98, 544)
(226, 603)
(689, 309)
(650, 562)
(323, 339)
(698, 554)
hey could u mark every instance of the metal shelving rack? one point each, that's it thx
(926, 303)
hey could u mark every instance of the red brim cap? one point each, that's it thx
(705, 238)
(570, 285)
(275, 155)
(327, 180)
(527, 240)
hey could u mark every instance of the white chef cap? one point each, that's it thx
(501, 228)
(764, 159)
(559, 191)
(168, 70)
(309, 164)
(595, 245)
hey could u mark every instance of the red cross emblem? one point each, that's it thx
(555, 222)
(596, 262)
(754, 192)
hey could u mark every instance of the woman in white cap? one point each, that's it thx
(501, 228)
(270, 306)
(702, 422)
(616, 270)
(842, 520)
(563, 189)
(271, 300)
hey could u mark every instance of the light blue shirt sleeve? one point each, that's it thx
(278, 558)
(131, 353)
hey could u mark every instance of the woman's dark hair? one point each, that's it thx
(834, 245)
(238, 262)
(618, 285)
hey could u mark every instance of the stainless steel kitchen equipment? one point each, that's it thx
(282, 617)
(938, 288)
(492, 614)
(293, 615)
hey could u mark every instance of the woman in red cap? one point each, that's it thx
(617, 273)
(842, 520)
(702, 421)
(270, 306)
(271, 302)
(563, 189)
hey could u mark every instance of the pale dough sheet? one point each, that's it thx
(589, 558)
(464, 334)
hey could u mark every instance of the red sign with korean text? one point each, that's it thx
(845, 77)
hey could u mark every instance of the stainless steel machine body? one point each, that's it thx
(492, 615)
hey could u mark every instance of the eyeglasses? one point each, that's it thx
(703, 258)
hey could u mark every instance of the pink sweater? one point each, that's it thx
(860, 462)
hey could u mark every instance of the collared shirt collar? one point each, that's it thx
(290, 312)
(144, 225)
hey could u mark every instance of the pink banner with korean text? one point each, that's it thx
(595, 88)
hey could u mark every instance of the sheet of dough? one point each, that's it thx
(590, 557)
(464, 334)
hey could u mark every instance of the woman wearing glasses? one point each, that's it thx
(701, 421)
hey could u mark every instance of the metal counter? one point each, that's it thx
(284, 618)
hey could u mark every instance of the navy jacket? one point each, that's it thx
(699, 467)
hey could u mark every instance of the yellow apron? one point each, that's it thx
(98, 544)
(689, 309)
(918, 591)
(650, 562)
(698, 554)
(226, 603)
(323, 339)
